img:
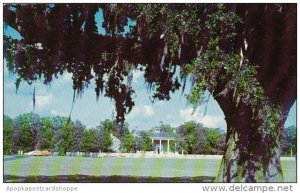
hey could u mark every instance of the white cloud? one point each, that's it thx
(213, 121)
(148, 110)
(160, 104)
(66, 77)
(10, 86)
(57, 113)
(187, 114)
(43, 100)
(137, 75)
(134, 113)
(206, 120)
(169, 116)
(140, 111)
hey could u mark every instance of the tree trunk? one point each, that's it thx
(241, 165)
(252, 152)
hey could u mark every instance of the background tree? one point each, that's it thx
(78, 131)
(166, 128)
(44, 144)
(187, 137)
(7, 135)
(36, 128)
(243, 54)
(118, 131)
(104, 140)
(25, 134)
(143, 142)
(47, 134)
(193, 138)
(65, 138)
(289, 141)
(47, 128)
(88, 143)
(220, 146)
(213, 139)
(58, 123)
(201, 141)
(128, 143)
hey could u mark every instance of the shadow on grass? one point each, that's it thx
(105, 179)
(10, 158)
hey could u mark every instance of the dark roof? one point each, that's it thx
(162, 135)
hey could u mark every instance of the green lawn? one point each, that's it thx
(131, 167)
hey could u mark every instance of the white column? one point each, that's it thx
(175, 148)
(160, 146)
(168, 145)
(154, 150)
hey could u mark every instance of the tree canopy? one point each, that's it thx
(243, 54)
(204, 39)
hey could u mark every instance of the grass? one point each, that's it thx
(289, 170)
(86, 169)
(104, 179)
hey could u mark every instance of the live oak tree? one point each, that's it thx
(243, 54)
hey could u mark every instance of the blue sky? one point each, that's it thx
(56, 99)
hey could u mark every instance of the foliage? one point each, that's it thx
(187, 141)
(192, 137)
(47, 125)
(228, 49)
(59, 134)
(78, 130)
(58, 123)
(104, 139)
(47, 133)
(166, 128)
(195, 139)
(117, 130)
(213, 138)
(44, 144)
(67, 138)
(289, 141)
(45, 58)
(143, 142)
(128, 143)
(7, 135)
(24, 135)
(88, 143)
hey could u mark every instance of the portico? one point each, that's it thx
(162, 142)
